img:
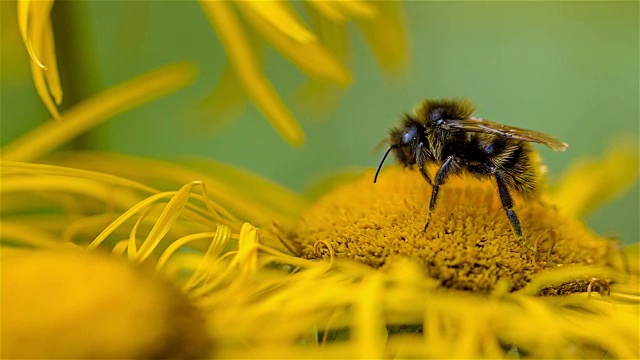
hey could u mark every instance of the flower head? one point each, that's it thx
(469, 244)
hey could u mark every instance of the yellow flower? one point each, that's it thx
(259, 301)
(120, 257)
(469, 244)
(320, 56)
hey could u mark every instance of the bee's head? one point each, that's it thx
(404, 142)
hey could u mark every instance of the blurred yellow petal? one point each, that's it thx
(313, 53)
(386, 35)
(27, 15)
(310, 56)
(318, 98)
(226, 102)
(369, 332)
(280, 17)
(340, 11)
(97, 109)
(37, 33)
(26, 235)
(51, 74)
(41, 88)
(255, 83)
(590, 183)
(358, 8)
(246, 195)
(84, 187)
(76, 304)
(333, 36)
(261, 190)
(9, 167)
(328, 9)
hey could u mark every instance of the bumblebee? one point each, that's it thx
(446, 133)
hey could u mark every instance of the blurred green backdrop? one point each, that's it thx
(567, 68)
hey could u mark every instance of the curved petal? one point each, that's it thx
(340, 11)
(91, 112)
(310, 56)
(278, 15)
(37, 33)
(235, 42)
(318, 98)
(24, 10)
(226, 102)
(387, 36)
(590, 183)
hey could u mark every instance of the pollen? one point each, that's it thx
(469, 244)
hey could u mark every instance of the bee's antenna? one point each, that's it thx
(381, 162)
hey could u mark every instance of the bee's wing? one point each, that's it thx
(484, 126)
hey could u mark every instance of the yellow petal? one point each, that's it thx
(78, 187)
(369, 332)
(26, 17)
(247, 256)
(25, 234)
(216, 247)
(358, 8)
(169, 215)
(386, 34)
(97, 109)
(244, 194)
(225, 102)
(161, 225)
(340, 11)
(310, 56)
(256, 85)
(261, 190)
(9, 167)
(40, 83)
(318, 98)
(280, 16)
(590, 183)
(51, 74)
(328, 9)
(174, 246)
(37, 33)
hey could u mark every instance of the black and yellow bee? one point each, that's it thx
(445, 133)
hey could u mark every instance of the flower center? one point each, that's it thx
(469, 244)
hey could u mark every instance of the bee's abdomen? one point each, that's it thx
(522, 169)
(487, 154)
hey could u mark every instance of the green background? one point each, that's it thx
(567, 68)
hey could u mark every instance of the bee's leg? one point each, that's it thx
(421, 158)
(441, 175)
(507, 204)
(425, 175)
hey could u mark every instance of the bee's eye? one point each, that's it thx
(409, 135)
